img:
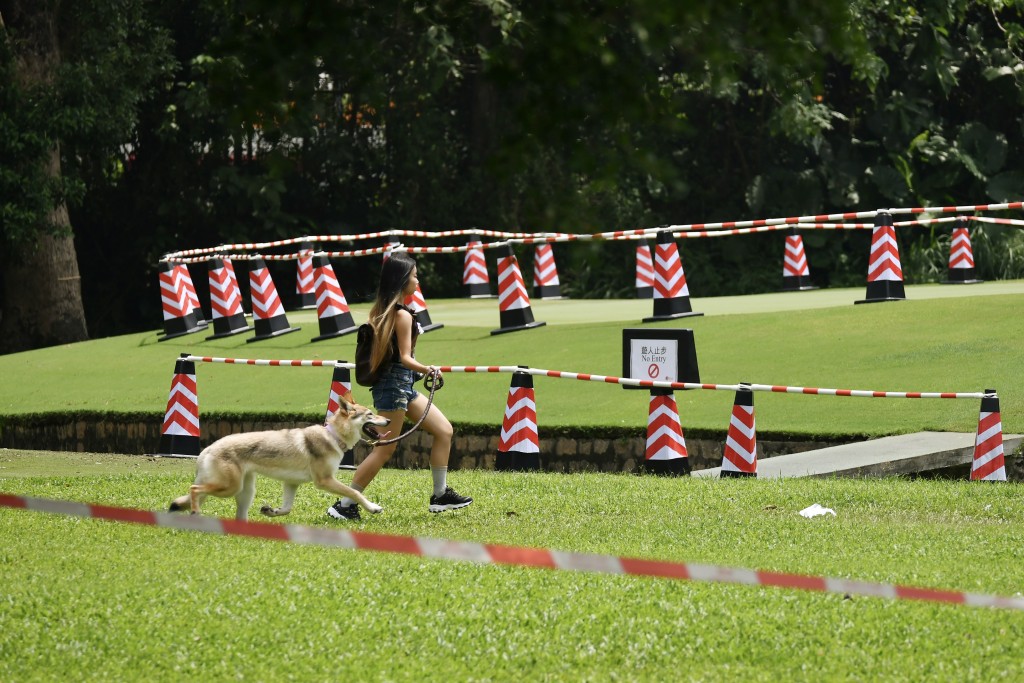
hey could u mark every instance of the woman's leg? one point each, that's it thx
(376, 459)
(437, 425)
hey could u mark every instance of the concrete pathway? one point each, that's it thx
(891, 455)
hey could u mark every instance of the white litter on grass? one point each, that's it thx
(816, 511)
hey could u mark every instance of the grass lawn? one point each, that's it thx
(962, 339)
(93, 600)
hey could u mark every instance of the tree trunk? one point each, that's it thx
(42, 291)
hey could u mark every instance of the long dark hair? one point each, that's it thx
(394, 277)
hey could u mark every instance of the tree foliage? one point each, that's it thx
(280, 119)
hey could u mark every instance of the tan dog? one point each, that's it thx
(229, 466)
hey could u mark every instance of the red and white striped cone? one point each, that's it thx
(644, 271)
(665, 453)
(179, 314)
(341, 387)
(190, 290)
(418, 304)
(545, 273)
(796, 276)
(474, 271)
(885, 274)
(514, 308)
(989, 463)
(740, 456)
(267, 311)
(961, 256)
(230, 267)
(519, 444)
(225, 302)
(305, 280)
(332, 309)
(671, 293)
(179, 435)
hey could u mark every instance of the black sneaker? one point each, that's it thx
(339, 511)
(449, 500)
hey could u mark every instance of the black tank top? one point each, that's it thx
(395, 356)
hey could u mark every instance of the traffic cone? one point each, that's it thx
(474, 271)
(514, 308)
(179, 436)
(305, 281)
(179, 315)
(885, 274)
(190, 291)
(225, 302)
(332, 309)
(267, 311)
(341, 387)
(740, 456)
(644, 271)
(989, 464)
(671, 293)
(418, 304)
(230, 267)
(666, 446)
(519, 444)
(961, 256)
(796, 276)
(545, 273)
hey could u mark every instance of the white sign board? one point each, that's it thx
(654, 359)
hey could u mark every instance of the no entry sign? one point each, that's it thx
(661, 355)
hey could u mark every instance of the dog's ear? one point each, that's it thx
(346, 402)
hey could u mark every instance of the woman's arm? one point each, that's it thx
(403, 330)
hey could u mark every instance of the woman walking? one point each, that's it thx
(393, 361)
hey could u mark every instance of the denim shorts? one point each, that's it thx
(393, 390)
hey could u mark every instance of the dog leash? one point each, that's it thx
(432, 383)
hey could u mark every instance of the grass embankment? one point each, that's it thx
(964, 343)
(94, 600)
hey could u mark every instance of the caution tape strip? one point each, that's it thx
(482, 553)
(609, 379)
(733, 227)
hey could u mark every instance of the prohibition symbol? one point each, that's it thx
(653, 370)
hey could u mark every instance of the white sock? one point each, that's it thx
(440, 475)
(346, 501)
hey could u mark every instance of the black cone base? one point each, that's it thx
(304, 301)
(336, 326)
(527, 326)
(179, 327)
(479, 290)
(426, 324)
(517, 462)
(884, 290)
(961, 276)
(274, 327)
(645, 292)
(228, 327)
(548, 292)
(796, 283)
(670, 309)
(676, 467)
(178, 445)
(736, 474)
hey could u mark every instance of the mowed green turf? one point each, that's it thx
(90, 600)
(941, 339)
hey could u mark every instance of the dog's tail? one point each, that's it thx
(180, 503)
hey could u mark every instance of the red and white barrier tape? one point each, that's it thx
(704, 230)
(608, 379)
(483, 553)
(997, 221)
